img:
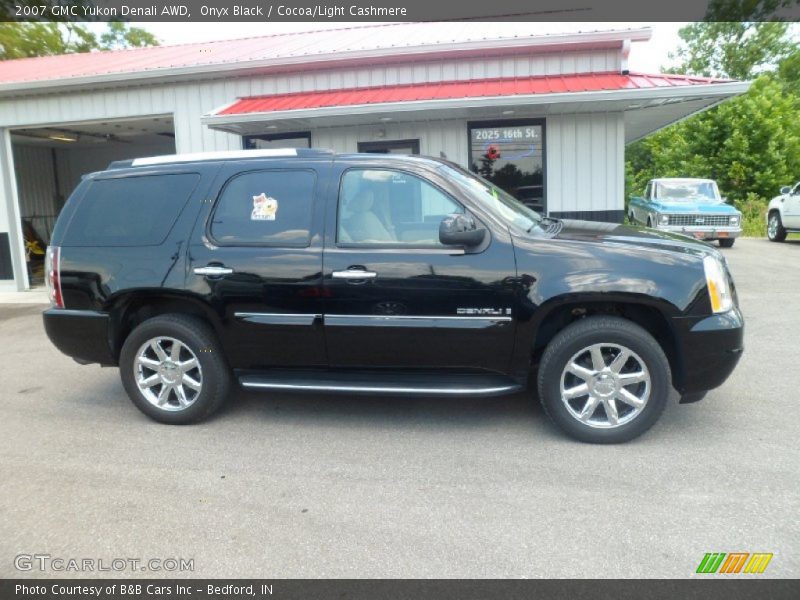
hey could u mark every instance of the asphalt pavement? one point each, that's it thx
(333, 486)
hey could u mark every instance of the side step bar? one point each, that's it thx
(371, 382)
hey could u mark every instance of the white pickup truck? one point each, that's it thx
(783, 214)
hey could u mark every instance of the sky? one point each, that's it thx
(645, 57)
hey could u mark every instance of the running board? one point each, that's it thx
(388, 382)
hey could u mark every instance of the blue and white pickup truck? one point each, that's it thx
(692, 207)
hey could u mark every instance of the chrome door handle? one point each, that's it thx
(212, 271)
(354, 274)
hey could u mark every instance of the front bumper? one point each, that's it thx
(709, 350)
(703, 233)
(80, 334)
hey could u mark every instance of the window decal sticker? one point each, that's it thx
(265, 208)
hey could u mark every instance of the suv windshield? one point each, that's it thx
(686, 191)
(497, 201)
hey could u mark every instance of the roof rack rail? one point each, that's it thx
(222, 155)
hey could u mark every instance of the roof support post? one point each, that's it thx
(10, 216)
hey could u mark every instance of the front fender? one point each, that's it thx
(555, 273)
(775, 204)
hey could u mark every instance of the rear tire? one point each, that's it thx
(173, 369)
(726, 243)
(607, 412)
(775, 230)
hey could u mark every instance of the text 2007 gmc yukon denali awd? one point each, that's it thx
(308, 271)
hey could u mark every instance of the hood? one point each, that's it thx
(591, 231)
(702, 206)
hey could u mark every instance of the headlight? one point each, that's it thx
(663, 219)
(719, 292)
(734, 220)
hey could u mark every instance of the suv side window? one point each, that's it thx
(136, 210)
(271, 207)
(382, 206)
(647, 190)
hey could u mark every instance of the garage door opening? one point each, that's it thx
(50, 161)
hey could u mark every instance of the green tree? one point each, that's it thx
(749, 145)
(21, 40)
(736, 50)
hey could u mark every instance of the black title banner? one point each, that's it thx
(397, 10)
(366, 589)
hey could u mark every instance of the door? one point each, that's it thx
(395, 296)
(390, 147)
(791, 210)
(256, 256)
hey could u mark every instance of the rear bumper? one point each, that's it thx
(709, 349)
(80, 334)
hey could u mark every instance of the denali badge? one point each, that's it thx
(494, 312)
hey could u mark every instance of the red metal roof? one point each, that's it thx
(510, 86)
(311, 45)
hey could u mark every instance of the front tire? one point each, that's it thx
(173, 369)
(726, 243)
(775, 230)
(604, 380)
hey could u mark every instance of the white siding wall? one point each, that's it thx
(585, 153)
(435, 137)
(585, 162)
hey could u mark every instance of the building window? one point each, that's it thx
(301, 139)
(510, 154)
(390, 147)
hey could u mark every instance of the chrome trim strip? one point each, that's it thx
(422, 317)
(73, 312)
(354, 274)
(378, 389)
(213, 271)
(433, 322)
(277, 318)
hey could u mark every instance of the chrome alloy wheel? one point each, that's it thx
(772, 226)
(168, 373)
(605, 385)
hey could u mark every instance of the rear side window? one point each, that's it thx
(265, 208)
(129, 211)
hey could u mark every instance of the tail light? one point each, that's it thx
(52, 276)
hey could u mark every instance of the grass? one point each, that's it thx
(754, 226)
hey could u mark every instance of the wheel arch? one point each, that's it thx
(560, 313)
(130, 309)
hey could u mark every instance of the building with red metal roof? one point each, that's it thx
(545, 113)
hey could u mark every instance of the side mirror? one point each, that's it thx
(460, 230)
(724, 199)
(785, 190)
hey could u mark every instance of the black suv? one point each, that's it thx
(302, 270)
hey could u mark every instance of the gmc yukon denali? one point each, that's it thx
(308, 271)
